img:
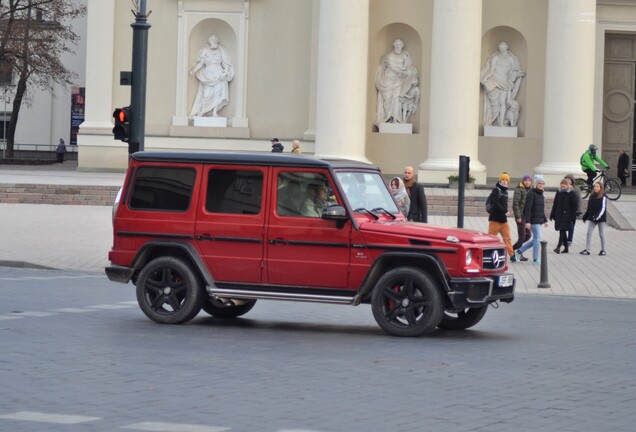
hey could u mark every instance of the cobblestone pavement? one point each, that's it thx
(79, 355)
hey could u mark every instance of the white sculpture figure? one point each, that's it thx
(213, 68)
(501, 77)
(396, 82)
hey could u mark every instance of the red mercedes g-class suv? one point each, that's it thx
(217, 231)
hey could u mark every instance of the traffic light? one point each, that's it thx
(122, 116)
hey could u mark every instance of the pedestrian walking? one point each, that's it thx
(60, 151)
(296, 147)
(418, 210)
(596, 216)
(497, 207)
(277, 147)
(534, 216)
(623, 167)
(563, 214)
(518, 205)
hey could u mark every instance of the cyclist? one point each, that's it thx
(587, 163)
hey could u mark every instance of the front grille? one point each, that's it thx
(494, 258)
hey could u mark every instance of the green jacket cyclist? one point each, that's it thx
(587, 163)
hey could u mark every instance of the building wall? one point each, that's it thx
(281, 77)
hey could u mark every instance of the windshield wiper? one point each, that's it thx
(383, 210)
(363, 210)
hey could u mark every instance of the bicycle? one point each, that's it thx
(612, 186)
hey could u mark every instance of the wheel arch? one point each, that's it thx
(429, 263)
(185, 251)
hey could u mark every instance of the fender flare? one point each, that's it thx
(146, 251)
(433, 263)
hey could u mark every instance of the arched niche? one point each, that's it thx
(382, 44)
(516, 44)
(198, 39)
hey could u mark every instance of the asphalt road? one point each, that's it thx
(77, 354)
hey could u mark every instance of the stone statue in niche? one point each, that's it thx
(397, 85)
(501, 78)
(214, 70)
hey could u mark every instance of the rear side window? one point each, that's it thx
(162, 189)
(234, 191)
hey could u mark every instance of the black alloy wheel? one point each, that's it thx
(462, 319)
(168, 291)
(406, 302)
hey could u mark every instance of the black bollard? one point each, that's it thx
(543, 283)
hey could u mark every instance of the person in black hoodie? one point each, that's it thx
(563, 213)
(277, 147)
(596, 215)
(498, 215)
(534, 215)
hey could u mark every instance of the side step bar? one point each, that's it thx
(273, 295)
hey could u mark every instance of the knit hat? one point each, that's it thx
(504, 176)
(538, 178)
(526, 177)
(570, 176)
(274, 140)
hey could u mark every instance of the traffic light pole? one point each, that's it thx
(138, 87)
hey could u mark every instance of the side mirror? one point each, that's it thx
(335, 212)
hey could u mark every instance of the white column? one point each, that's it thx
(99, 65)
(569, 88)
(342, 79)
(454, 103)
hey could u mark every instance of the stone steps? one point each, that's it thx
(58, 194)
(442, 205)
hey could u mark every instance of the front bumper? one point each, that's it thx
(476, 292)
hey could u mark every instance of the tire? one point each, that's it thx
(463, 319)
(168, 291)
(582, 185)
(221, 310)
(405, 302)
(613, 189)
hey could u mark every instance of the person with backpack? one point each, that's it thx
(534, 216)
(587, 163)
(497, 208)
(518, 205)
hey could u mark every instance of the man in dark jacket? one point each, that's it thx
(277, 147)
(498, 216)
(623, 167)
(418, 211)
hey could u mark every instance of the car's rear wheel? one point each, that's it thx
(462, 319)
(219, 309)
(406, 302)
(168, 291)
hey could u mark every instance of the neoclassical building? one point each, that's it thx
(308, 70)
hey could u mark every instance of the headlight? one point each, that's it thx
(469, 257)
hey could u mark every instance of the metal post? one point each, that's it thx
(139, 70)
(4, 127)
(461, 187)
(543, 283)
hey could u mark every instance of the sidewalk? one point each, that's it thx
(79, 237)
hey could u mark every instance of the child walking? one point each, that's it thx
(596, 215)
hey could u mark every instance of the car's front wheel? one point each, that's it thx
(168, 291)
(219, 309)
(406, 302)
(462, 319)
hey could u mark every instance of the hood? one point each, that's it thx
(415, 230)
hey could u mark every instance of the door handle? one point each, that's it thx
(278, 241)
(206, 236)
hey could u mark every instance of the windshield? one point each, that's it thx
(364, 190)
